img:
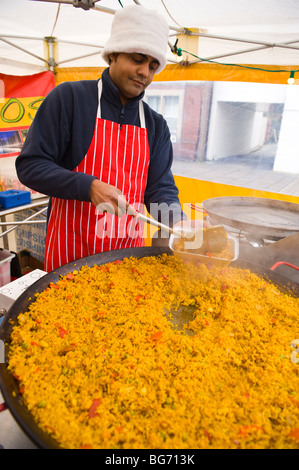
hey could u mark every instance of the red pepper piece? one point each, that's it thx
(70, 277)
(62, 332)
(102, 314)
(244, 430)
(54, 286)
(207, 434)
(294, 432)
(92, 410)
(138, 297)
(52, 430)
(156, 336)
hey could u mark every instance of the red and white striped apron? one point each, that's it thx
(120, 157)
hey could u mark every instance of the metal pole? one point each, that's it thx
(73, 3)
(16, 36)
(21, 222)
(22, 49)
(24, 222)
(51, 60)
(243, 51)
(79, 57)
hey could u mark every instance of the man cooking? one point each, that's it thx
(95, 142)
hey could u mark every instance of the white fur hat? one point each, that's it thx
(137, 29)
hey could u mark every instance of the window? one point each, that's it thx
(171, 112)
(169, 103)
(154, 103)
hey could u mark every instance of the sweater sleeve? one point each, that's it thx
(53, 147)
(161, 194)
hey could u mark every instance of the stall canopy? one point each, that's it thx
(43, 35)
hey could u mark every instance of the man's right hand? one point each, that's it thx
(108, 198)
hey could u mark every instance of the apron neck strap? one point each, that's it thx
(141, 107)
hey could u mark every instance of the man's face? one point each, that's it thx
(132, 73)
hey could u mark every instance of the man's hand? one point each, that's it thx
(108, 198)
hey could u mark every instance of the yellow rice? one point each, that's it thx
(99, 365)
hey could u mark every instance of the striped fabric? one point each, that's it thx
(120, 157)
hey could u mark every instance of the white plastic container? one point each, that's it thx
(199, 258)
(5, 260)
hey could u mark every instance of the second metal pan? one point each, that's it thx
(268, 218)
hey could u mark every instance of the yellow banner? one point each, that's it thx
(200, 71)
(19, 111)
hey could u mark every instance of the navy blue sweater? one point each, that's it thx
(61, 133)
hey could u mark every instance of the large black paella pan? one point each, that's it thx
(8, 384)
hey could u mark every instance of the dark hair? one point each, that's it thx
(115, 55)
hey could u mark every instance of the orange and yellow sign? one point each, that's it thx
(20, 97)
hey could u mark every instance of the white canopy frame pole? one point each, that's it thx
(23, 50)
(50, 40)
(79, 44)
(249, 41)
(261, 45)
(78, 57)
(243, 51)
(85, 4)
